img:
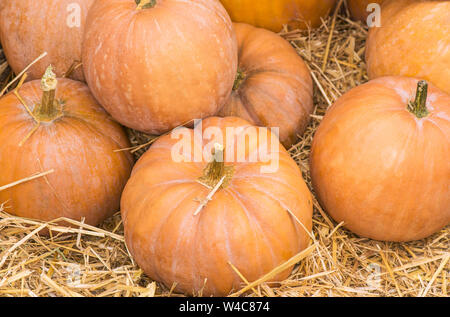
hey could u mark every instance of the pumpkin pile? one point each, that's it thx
(217, 196)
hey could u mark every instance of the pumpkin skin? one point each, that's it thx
(378, 167)
(274, 88)
(358, 8)
(79, 146)
(29, 28)
(272, 15)
(177, 61)
(246, 223)
(408, 44)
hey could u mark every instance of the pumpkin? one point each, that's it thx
(380, 160)
(189, 217)
(358, 8)
(273, 87)
(272, 15)
(28, 28)
(44, 128)
(156, 64)
(408, 44)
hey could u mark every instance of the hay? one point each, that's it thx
(88, 261)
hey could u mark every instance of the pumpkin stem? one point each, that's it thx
(240, 77)
(145, 4)
(216, 169)
(49, 109)
(419, 106)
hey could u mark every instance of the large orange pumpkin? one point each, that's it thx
(158, 64)
(67, 132)
(273, 15)
(28, 28)
(256, 220)
(358, 8)
(273, 87)
(380, 160)
(413, 41)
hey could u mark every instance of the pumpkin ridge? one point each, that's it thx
(181, 236)
(289, 212)
(156, 234)
(142, 209)
(249, 107)
(92, 127)
(255, 228)
(52, 188)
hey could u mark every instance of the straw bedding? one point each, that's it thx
(89, 261)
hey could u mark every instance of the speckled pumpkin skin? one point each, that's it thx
(158, 68)
(412, 41)
(29, 28)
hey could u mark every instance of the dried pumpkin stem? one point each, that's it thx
(145, 4)
(240, 77)
(419, 106)
(48, 109)
(216, 170)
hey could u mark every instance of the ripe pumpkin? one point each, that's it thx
(158, 64)
(249, 222)
(408, 44)
(380, 160)
(358, 8)
(68, 132)
(272, 15)
(273, 87)
(29, 28)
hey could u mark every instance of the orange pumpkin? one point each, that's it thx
(273, 87)
(28, 28)
(413, 41)
(358, 8)
(273, 15)
(67, 132)
(380, 160)
(251, 222)
(157, 64)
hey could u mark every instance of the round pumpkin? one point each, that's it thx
(189, 218)
(358, 8)
(155, 65)
(67, 133)
(273, 87)
(408, 44)
(380, 160)
(28, 28)
(273, 15)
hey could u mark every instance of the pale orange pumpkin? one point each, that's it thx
(273, 87)
(413, 41)
(66, 132)
(159, 64)
(28, 28)
(255, 221)
(380, 160)
(358, 8)
(272, 15)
